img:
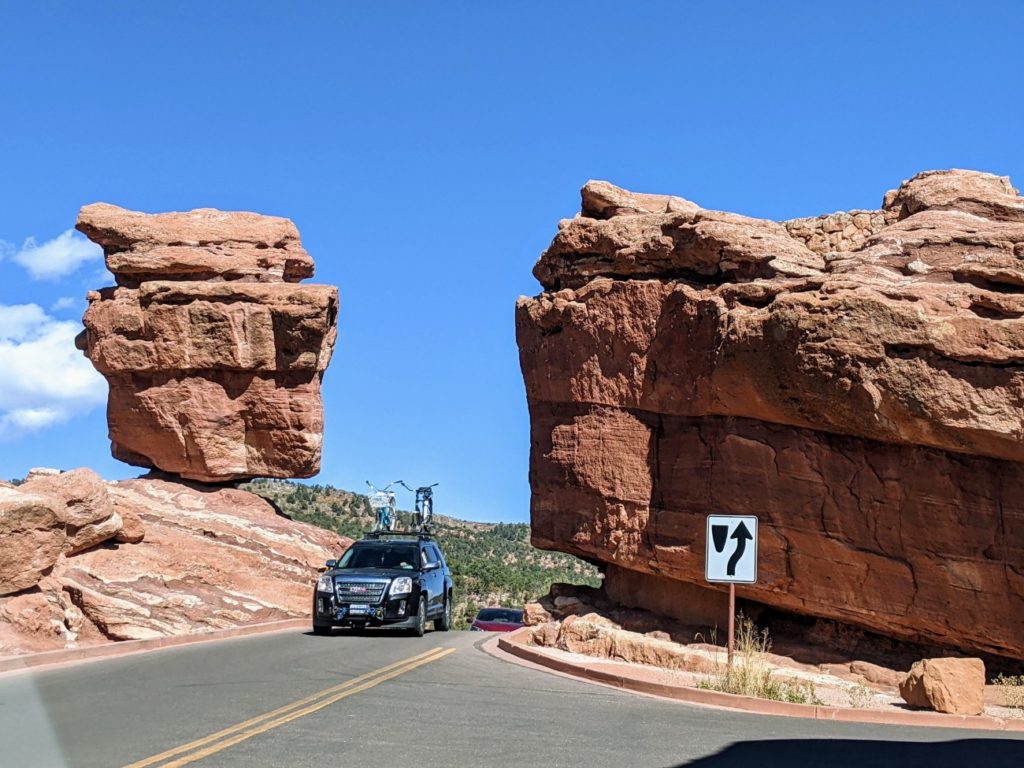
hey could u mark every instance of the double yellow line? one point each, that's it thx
(215, 742)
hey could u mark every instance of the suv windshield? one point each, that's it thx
(500, 614)
(381, 556)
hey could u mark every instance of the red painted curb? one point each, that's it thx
(514, 645)
(124, 647)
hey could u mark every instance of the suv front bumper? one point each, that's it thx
(328, 611)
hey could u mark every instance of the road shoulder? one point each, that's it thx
(639, 679)
(13, 664)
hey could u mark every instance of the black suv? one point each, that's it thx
(382, 580)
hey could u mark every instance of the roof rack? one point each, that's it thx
(407, 534)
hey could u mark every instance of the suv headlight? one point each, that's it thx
(401, 586)
(325, 584)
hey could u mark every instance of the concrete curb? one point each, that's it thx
(126, 647)
(515, 645)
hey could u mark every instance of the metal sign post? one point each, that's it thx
(729, 559)
(732, 621)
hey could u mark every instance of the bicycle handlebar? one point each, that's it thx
(416, 490)
(375, 489)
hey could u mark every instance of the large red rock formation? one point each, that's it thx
(855, 380)
(214, 356)
(203, 558)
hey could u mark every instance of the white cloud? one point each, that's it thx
(66, 302)
(20, 321)
(57, 257)
(29, 419)
(44, 379)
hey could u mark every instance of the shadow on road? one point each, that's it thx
(858, 753)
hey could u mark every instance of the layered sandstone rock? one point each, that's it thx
(210, 558)
(198, 245)
(855, 380)
(599, 636)
(214, 356)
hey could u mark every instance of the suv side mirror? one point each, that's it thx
(331, 563)
(431, 566)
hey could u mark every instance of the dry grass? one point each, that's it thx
(860, 696)
(1012, 688)
(751, 673)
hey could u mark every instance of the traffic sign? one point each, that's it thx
(731, 549)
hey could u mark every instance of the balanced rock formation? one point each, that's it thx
(855, 380)
(213, 355)
(208, 558)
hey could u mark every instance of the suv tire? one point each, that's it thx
(444, 622)
(321, 629)
(421, 618)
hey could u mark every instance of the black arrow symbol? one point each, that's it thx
(741, 534)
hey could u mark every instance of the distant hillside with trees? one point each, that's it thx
(491, 563)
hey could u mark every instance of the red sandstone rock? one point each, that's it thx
(602, 200)
(954, 686)
(195, 245)
(599, 636)
(855, 380)
(214, 364)
(31, 538)
(83, 505)
(211, 559)
(535, 613)
(133, 530)
(545, 634)
(873, 673)
(982, 194)
(34, 614)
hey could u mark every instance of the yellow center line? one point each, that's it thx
(349, 687)
(230, 742)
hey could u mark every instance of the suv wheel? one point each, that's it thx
(321, 629)
(444, 622)
(421, 618)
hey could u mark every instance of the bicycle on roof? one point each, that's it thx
(385, 510)
(424, 509)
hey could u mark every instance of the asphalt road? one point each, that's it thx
(292, 699)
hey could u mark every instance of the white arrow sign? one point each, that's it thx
(731, 549)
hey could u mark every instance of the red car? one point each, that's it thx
(497, 620)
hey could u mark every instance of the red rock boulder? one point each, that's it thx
(31, 538)
(954, 686)
(83, 505)
(854, 380)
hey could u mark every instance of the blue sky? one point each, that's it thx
(426, 152)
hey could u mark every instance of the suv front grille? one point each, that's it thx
(360, 591)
